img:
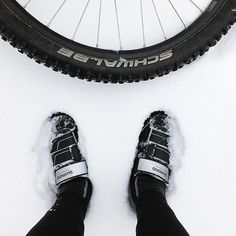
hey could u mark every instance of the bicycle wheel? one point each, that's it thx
(115, 40)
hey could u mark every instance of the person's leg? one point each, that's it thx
(66, 217)
(155, 217)
(149, 180)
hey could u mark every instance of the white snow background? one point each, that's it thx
(201, 97)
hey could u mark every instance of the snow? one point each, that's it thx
(177, 150)
(201, 97)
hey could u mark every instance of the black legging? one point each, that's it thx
(66, 217)
(155, 217)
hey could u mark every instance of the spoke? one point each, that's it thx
(177, 13)
(26, 5)
(159, 20)
(99, 23)
(142, 18)
(118, 24)
(54, 16)
(169, 18)
(196, 5)
(80, 20)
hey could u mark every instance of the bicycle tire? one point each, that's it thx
(45, 46)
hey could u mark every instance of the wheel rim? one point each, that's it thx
(117, 24)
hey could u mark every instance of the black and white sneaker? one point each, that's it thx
(151, 170)
(70, 167)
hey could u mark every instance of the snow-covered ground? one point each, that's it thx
(201, 96)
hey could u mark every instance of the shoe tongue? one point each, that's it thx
(152, 152)
(149, 150)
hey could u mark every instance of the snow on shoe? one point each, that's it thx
(151, 170)
(68, 161)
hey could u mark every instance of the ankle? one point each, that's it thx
(146, 184)
(80, 186)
